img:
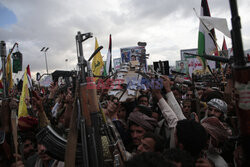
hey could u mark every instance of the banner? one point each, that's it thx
(193, 63)
(117, 63)
(131, 53)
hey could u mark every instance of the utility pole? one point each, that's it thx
(44, 49)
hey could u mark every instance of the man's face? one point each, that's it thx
(212, 111)
(41, 152)
(28, 149)
(187, 109)
(189, 94)
(136, 133)
(147, 145)
(200, 93)
(112, 105)
(177, 94)
(122, 113)
(143, 101)
(182, 65)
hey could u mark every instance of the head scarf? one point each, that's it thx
(219, 104)
(27, 123)
(143, 120)
(216, 129)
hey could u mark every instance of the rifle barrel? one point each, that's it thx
(239, 58)
(211, 57)
(178, 73)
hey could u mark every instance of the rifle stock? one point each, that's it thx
(84, 102)
(94, 110)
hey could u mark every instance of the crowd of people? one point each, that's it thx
(177, 125)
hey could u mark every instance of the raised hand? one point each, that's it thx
(37, 102)
(166, 83)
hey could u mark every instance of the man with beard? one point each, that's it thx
(150, 143)
(216, 108)
(139, 124)
(41, 159)
(186, 109)
(27, 147)
(143, 100)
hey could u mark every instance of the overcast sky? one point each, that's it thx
(166, 25)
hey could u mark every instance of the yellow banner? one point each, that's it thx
(22, 110)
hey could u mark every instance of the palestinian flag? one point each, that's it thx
(29, 77)
(206, 43)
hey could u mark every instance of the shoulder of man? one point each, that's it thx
(31, 161)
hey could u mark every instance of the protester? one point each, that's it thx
(148, 159)
(42, 159)
(191, 137)
(150, 143)
(139, 124)
(27, 146)
(217, 136)
(112, 107)
(160, 119)
(143, 100)
(217, 108)
(179, 157)
(186, 109)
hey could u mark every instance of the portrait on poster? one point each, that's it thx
(182, 66)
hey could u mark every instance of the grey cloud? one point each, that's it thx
(167, 26)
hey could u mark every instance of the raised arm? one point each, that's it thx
(172, 102)
(166, 110)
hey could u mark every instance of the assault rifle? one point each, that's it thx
(115, 145)
(213, 58)
(241, 82)
(87, 108)
(85, 120)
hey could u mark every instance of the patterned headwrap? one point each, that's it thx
(27, 123)
(143, 120)
(219, 104)
(216, 129)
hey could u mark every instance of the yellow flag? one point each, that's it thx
(22, 109)
(9, 73)
(97, 63)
